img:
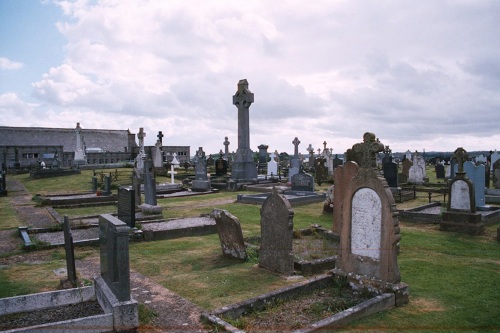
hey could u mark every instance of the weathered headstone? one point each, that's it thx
(262, 166)
(94, 184)
(243, 167)
(201, 181)
(310, 149)
(149, 184)
(320, 170)
(158, 155)
(230, 234)
(276, 223)
(342, 177)
(272, 167)
(369, 228)
(416, 173)
(141, 156)
(69, 249)
(107, 185)
(496, 174)
(126, 205)
(302, 182)
(220, 166)
(79, 150)
(405, 171)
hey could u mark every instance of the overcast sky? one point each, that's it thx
(419, 74)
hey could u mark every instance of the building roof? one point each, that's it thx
(108, 140)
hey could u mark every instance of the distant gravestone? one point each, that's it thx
(107, 185)
(149, 184)
(220, 167)
(272, 167)
(3, 183)
(416, 173)
(201, 181)
(439, 171)
(405, 171)
(276, 223)
(369, 228)
(496, 174)
(262, 165)
(230, 234)
(295, 162)
(321, 171)
(126, 205)
(158, 155)
(390, 170)
(476, 174)
(302, 182)
(337, 162)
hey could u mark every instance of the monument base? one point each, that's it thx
(201, 185)
(464, 222)
(151, 209)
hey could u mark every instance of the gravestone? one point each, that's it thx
(295, 162)
(149, 184)
(369, 227)
(390, 169)
(94, 184)
(461, 215)
(226, 148)
(114, 254)
(262, 166)
(79, 150)
(496, 174)
(230, 234)
(320, 170)
(405, 171)
(3, 183)
(243, 167)
(439, 170)
(158, 155)
(201, 181)
(337, 162)
(341, 177)
(69, 249)
(302, 182)
(107, 185)
(476, 175)
(416, 173)
(141, 156)
(221, 167)
(276, 223)
(126, 205)
(310, 149)
(272, 167)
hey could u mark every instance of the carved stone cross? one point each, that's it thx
(310, 149)
(368, 149)
(296, 143)
(242, 100)
(324, 144)
(226, 144)
(141, 136)
(160, 136)
(461, 156)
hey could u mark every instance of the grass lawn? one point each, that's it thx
(453, 278)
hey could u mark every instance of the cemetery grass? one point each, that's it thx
(8, 218)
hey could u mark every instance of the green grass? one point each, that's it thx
(8, 218)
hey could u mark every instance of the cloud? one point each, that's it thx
(14, 109)
(6, 64)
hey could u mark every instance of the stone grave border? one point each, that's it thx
(376, 304)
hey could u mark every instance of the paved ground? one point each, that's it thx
(175, 314)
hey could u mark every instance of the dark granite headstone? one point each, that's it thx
(70, 252)
(390, 169)
(107, 185)
(94, 184)
(149, 184)
(126, 205)
(276, 223)
(303, 182)
(496, 174)
(439, 171)
(321, 170)
(337, 162)
(262, 166)
(230, 234)
(114, 255)
(220, 167)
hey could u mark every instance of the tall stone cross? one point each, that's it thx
(78, 138)
(296, 143)
(141, 136)
(461, 156)
(160, 137)
(242, 100)
(324, 145)
(310, 149)
(368, 148)
(226, 144)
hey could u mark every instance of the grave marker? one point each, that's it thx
(126, 205)
(302, 182)
(276, 222)
(295, 162)
(69, 249)
(230, 234)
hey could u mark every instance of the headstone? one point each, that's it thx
(276, 223)
(114, 255)
(495, 156)
(302, 182)
(369, 227)
(3, 183)
(439, 170)
(461, 215)
(94, 184)
(69, 249)
(416, 173)
(496, 174)
(230, 234)
(158, 155)
(405, 171)
(262, 166)
(341, 177)
(243, 168)
(141, 156)
(295, 162)
(201, 181)
(337, 162)
(476, 176)
(149, 184)
(226, 148)
(390, 168)
(320, 170)
(126, 205)
(310, 149)
(220, 166)
(107, 185)
(272, 167)
(79, 150)
(173, 164)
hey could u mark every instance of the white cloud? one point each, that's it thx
(6, 64)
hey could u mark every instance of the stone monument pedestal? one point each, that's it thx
(148, 209)
(201, 185)
(464, 222)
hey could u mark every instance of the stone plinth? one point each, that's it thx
(464, 222)
(201, 185)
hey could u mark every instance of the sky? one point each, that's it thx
(421, 75)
